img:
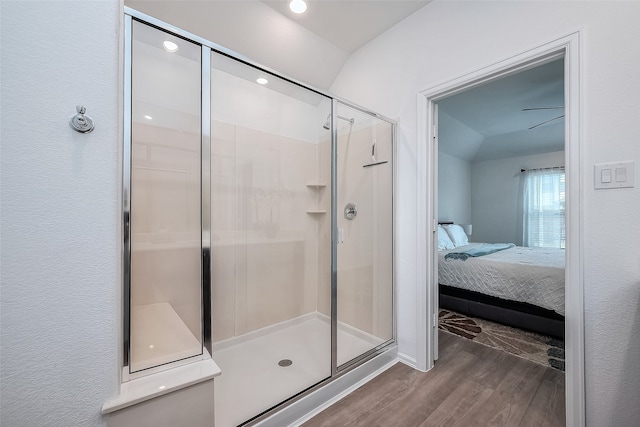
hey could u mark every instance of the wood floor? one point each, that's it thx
(470, 385)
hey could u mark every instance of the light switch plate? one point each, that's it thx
(614, 175)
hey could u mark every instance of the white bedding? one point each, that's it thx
(531, 275)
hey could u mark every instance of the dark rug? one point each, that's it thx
(529, 345)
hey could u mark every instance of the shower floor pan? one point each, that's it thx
(252, 379)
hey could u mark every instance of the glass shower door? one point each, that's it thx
(270, 157)
(364, 233)
(165, 200)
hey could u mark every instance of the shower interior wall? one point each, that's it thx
(264, 245)
(265, 171)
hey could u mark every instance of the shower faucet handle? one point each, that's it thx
(350, 211)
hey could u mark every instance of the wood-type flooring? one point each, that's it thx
(470, 385)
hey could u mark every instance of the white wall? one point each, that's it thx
(496, 195)
(60, 304)
(444, 40)
(454, 189)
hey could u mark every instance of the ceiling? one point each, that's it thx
(487, 122)
(311, 48)
(349, 24)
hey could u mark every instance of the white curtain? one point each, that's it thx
(544, 207)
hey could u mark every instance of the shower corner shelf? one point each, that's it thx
(316, 186)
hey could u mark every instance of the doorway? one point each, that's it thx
(564, 49)
(501, 189)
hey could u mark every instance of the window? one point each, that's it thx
(544, 208)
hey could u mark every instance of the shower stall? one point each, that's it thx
(258, 224)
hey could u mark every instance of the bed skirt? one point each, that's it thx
(511, 313)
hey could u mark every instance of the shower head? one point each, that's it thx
(327, 124)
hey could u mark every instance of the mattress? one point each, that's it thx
(530, 275)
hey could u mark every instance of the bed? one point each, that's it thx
(519, 286)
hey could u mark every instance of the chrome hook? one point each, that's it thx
(80, 122)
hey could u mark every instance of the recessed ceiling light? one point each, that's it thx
(169, 46)
(297, 6)
(148, 117)
(262, 81)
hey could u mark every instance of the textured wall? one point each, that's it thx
(60, 307)
(446, 39)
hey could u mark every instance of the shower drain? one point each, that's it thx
(285, 362)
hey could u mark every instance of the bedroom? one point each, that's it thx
(501, 177)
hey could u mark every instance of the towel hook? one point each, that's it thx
(80, 122)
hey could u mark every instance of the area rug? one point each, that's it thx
(529, 345)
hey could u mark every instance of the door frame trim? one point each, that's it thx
(569, 47)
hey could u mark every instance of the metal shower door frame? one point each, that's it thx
(205, 205)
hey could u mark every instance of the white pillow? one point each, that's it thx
(457, 235)
(444, 242)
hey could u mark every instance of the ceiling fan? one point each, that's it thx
(544, 108)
